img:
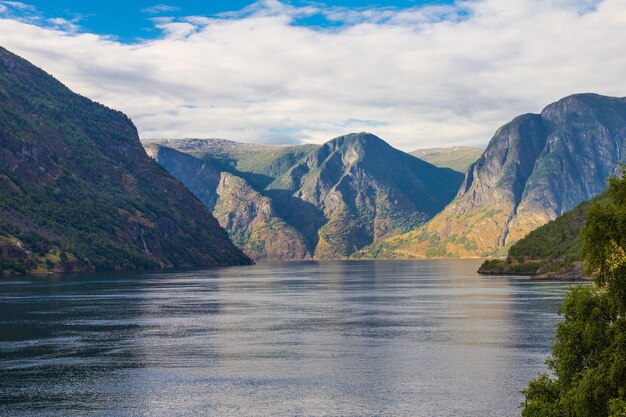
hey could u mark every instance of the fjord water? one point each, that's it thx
(421, 338)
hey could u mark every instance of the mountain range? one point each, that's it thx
(79, 193)
(309, 201)
(535, 168)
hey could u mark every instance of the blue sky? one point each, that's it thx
(274, 71)
(129, 20)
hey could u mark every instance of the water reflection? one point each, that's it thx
(340, 338)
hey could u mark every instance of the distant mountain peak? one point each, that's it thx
(363, 139)
(360, 136)
(587, 98)
(535, 168)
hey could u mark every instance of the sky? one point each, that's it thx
(416, 73)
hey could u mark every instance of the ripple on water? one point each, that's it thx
(419, 338)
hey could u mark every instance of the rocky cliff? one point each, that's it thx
(535, 168)
(249, 217)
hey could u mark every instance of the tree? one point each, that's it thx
(588, 361)
(604, 243)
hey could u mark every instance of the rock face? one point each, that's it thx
(535, 168)
(459, 158)
(249, 217)
(552, 251)
(364, 190)
(78, 192)
(314, 202)
(253, 223)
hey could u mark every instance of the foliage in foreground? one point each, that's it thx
(588, 362)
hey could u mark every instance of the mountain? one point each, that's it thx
(364, 190)
(551, 251)
(535, 168)
(78, 191)
(459, 158)
(258, 164)
(248, 216)
(227, 151)
(318, 201)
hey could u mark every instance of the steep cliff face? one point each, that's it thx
(249, 217)
(253, 223)
(535, 168)
(78, 192)
(322, 202)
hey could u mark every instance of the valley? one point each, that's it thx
(308, 201)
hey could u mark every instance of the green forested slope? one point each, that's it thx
(587, 366)
(78, 192)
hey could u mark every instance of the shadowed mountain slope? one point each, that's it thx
(366, 191)
(249, 217)
(78, 192)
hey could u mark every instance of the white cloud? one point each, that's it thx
(64, 24)
(17, 5)
(176, 30)
(160, 8)
(10, 8)
(446, 75)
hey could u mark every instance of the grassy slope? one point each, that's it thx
(458, 158)
(274, 162)
(224, 150)
(257, 164)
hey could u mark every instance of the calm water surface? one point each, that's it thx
(425, 338)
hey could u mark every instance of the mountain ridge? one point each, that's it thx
(342, 195)
(535, 168)
(79, 192)
(458, 158)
